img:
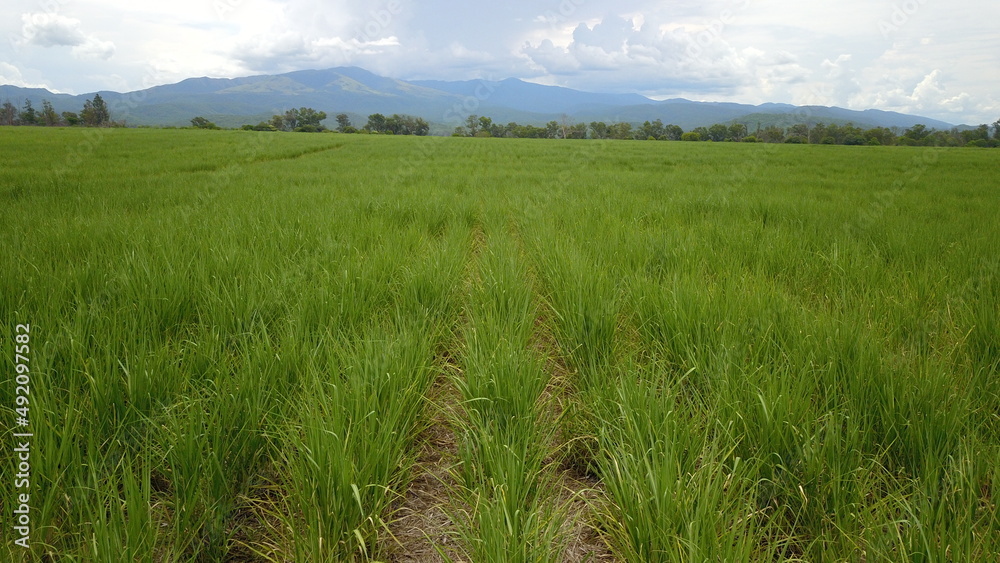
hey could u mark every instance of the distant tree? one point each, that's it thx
(486, 126)
(49, 115)
(299, 119)
(101, 113)
(772, 134)
(621, 131)
(499, 130)
(917, 133)
(817, 133)
(525, 131)
(8, 114)
(343, 123)
(750, 139)
(421, 127)
(577, 131)
(651, 130)
(718, 132)
(880, 136)
(28, 115)
(290, 120)
(202, 123)
(95, 112)
(70, 118)
(691, 136)
(736, 132)
(673, 132)
(308, 117)
(996, 129)
(266, 126)
(855, 133)
(376, 123)
(981, 133)
(599, 130)
(397, 124)
(800, 130)
(471, 125)
(837, 132)
(702, 133)
(553, 130)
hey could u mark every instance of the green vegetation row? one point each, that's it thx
(308, 120)
(763, 351)
(801, 133)
(95, 113)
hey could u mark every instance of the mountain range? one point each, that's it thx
(231, 102)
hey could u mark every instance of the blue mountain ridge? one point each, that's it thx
(359, 93)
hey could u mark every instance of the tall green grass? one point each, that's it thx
(507, 430)
(770, 352)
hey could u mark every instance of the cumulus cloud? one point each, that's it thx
(49, 29)
(930, 93)
(291, 51)
(10, 74)
(835, 82)
(52, 30)
(657, 56)
(94, 49)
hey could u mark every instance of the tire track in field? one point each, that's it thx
(577, 490)
(422, 524)
(247, 155)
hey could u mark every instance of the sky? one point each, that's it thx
(927, 57)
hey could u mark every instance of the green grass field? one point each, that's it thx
(289, 347)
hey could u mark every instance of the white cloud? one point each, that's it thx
(661, 58)
(290, 51)
(930, 93)
(94, 49)
(10, 74)
(52, 30)
(49, 29)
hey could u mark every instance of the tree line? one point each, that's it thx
(308, 120)
(818, 133)
(95, 113)
(378, 124)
